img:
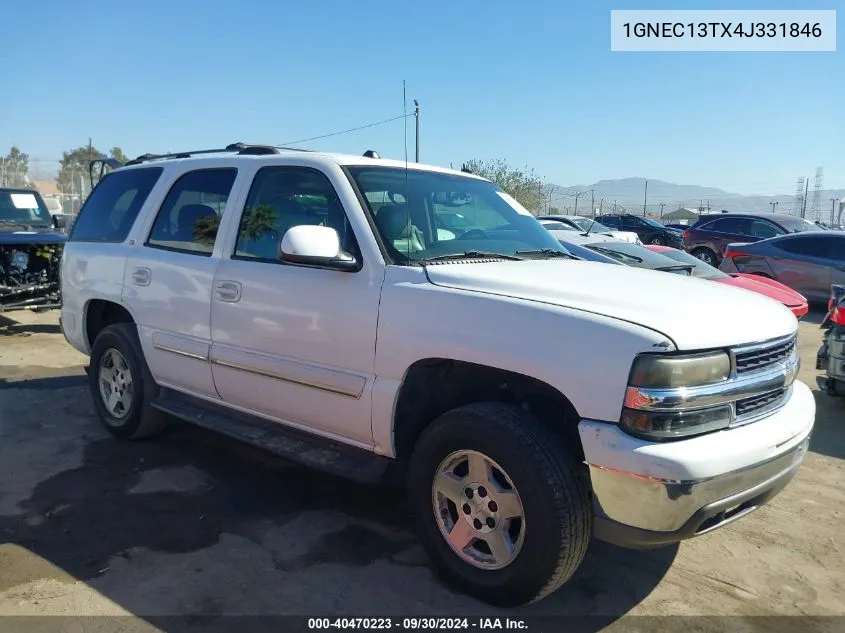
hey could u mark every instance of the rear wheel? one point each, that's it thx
(121, 384)
(501, 505)
(706, 255)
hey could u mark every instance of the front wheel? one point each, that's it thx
(657, 240)
(501, 504)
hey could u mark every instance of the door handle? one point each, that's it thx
(229, 291)
(142, 276)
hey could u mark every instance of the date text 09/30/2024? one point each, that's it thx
(417, 624)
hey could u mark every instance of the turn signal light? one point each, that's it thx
(838, 315)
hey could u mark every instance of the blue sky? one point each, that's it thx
(532, 82)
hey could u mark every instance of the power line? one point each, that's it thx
(353, 129)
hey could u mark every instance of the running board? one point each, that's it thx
(298, 446)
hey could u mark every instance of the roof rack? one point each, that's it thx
(242, 149)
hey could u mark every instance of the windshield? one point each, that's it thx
(408, 207)
(586, 224)
(23, 207)
(800, 225)
(701, 270)
(653, 223)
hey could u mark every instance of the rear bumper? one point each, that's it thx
(647, 494)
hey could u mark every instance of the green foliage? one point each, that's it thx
(258, 221)
(522, 184)
(205, 229)
(73, 167)
(118, 155)
(14, 167)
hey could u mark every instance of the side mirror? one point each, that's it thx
(317, 246)
(59, 221)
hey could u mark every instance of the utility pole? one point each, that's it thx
(832, 210)
(592, 204)
(662, 204)
(708, 206)
(804, 204)
(601, 206)
(645, 197)
(417, 117)
(774, 206)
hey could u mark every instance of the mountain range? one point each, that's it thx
(628, 193)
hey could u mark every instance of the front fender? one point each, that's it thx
(585, 356)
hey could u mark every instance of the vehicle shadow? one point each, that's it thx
(190, 491)
(9, 326)
(829, 431)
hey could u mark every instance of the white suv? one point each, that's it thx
(306, 303)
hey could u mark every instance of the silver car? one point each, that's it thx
(806, 262)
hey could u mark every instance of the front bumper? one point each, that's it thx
(647, 494)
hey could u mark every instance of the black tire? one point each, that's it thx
(552, 486)
(657, 240)
(141, 420)
(707, 256)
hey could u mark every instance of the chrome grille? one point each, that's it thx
(759, 404)
(762, 356)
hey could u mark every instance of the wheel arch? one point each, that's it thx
(100, 313)
(432, 386)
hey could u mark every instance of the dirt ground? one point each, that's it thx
(192, 524)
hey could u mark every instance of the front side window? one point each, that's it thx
(764, 230)
(418, 203)
(284, 197)
(110, 211)
(190, 214)
(800, 225)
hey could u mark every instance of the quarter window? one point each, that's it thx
(190, 215)
(113, 206)
(284, 197)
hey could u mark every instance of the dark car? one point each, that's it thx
(807, 262)
(707, 238)
(31, 247)
(649, 231)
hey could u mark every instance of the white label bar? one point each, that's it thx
(723, 30)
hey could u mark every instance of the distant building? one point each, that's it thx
(679, 215)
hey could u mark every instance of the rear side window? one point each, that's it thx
(807, 246)
(737, 226)
(190, 214)
(113, 206)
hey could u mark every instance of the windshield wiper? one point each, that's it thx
(22, 225)
(549, 252)
(471, 255)
(671, 269)
(616, 254)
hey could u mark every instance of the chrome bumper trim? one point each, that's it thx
(664, 506)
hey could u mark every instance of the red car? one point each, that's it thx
(756, 283)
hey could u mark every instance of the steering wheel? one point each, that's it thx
(477, 233)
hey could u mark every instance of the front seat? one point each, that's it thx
(188, 219)
(394, 224)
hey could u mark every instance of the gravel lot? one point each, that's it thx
(190, 523)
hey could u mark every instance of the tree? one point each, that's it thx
(118, 155)
(73, 169)
(14, 167)
(522, 184)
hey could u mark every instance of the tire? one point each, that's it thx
(137, 418)
(551, 488)
(707, 256)
(657, 240)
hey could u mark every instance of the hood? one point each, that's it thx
(694, 313)
(20, 236)
(769, 287)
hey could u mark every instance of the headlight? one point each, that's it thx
(668, 372)
(19, 260)
(657, 401)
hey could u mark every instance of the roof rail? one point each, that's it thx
(239, 148)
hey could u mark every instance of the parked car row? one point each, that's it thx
(414, 324)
